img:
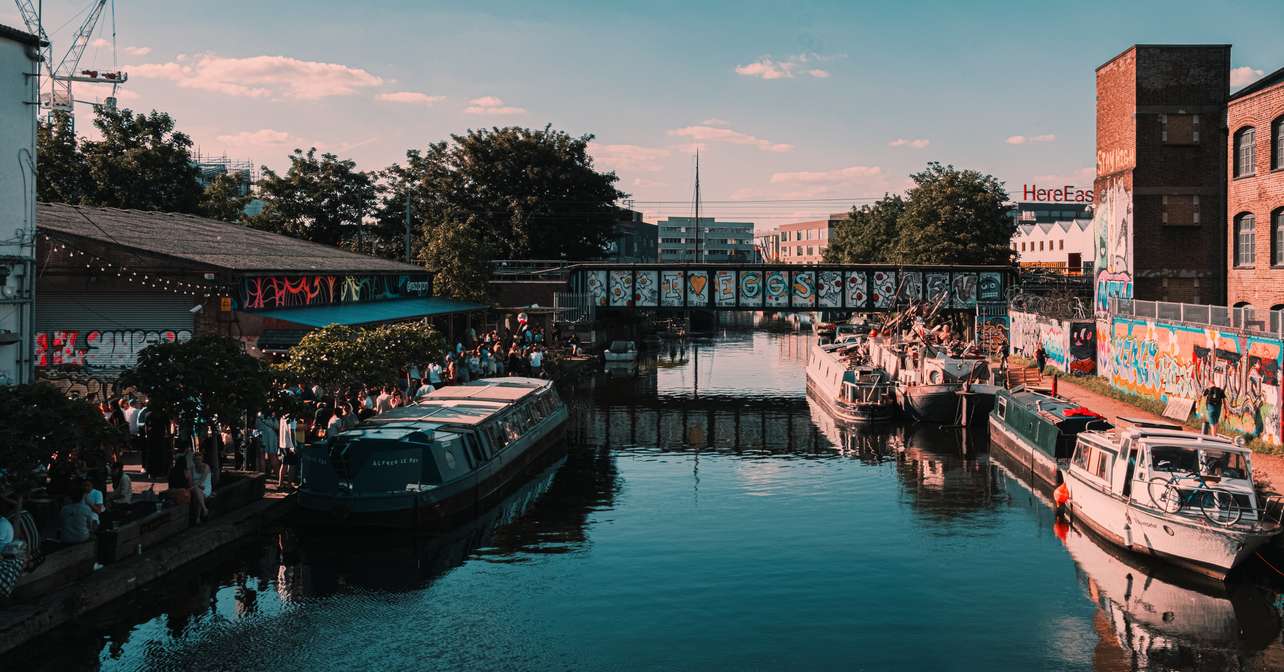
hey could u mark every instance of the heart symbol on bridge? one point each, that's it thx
(697, 283)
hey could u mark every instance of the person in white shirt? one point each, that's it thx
(131, 409)
(383, 403)
(93, 498)
(424, 390)
(285, 444)
(537, 362)
(434, 375)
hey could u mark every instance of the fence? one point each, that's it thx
(574, 307)
(1248, 319)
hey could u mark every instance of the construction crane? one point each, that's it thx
(59, 98)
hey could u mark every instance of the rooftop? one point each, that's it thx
(19, 35)
(208, 242)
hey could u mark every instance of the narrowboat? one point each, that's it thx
(621, 351)
(850, 392)
(931, 386)
(1159, 490)
(1038, 431)
(435, 462)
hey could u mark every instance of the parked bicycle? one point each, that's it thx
(1218, 506)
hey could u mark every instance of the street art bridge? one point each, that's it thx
(771, 287)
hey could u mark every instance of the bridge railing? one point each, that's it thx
(574, 307)
(1244, 318)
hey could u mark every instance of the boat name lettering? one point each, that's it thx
(393, 463)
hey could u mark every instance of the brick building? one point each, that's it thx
(1255, 194)
(1160, 185)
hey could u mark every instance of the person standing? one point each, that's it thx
(1214, 396)
(285, 446)
(1040, 358)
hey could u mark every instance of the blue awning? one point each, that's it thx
(372, 312)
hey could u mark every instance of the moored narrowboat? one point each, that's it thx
(1039, 431)
(850, 392)
(432, 463)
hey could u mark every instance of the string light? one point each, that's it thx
(157, 282)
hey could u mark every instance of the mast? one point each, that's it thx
(699, 249)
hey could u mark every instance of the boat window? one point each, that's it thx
(1081, 454)
(1173, 459)
(1222, 464)
(448, 451)
(1101, 465)
(498, 437)
(1003, 408)
(475, 448)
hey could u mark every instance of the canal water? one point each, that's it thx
(705, 515)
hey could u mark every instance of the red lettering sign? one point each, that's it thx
(1064, 194)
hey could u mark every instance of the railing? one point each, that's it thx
(574, 307)
(1246, 318)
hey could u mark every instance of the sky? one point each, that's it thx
(797, 108)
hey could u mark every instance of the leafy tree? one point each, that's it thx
(40, 427)
(341, 357)
(869, 234)
(955, 216)
(62, 176)
(459, 258)
(323, 199)
(222, 199)
(196, 380)
(141, 162)
(501, 193)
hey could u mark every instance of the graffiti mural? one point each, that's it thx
(1160, 360)
(99, 350)
(911, 286)
(698, 288)
(993, 333)
(1083, 347)
(724, 283)
(269, 292)
(857, 289)
(989, 286)
(1029, 331)
(671, 286)
(621, 288)
(647, 290)
(777, 286)
(751, 288)
(964, 290)
(938, 285)
(597, 287)
(829, 289)
(1112, 229)
(804, 288)
(884, 289)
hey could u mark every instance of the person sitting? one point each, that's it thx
(180, 482)
(78, 521)
(202, 488)
(93, 499)
(122, 488)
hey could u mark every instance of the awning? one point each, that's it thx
(372, 312)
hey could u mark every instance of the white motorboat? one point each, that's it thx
(621, 351)
(1156, 489)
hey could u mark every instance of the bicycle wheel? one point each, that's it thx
(1220, 508)
(1165, 496)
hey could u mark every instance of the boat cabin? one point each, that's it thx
(1048, 424)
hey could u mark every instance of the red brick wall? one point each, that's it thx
(1262, 286)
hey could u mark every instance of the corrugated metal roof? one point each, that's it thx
(208, 242)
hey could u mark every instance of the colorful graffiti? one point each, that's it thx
(671, 285)
(646, 288)
(751, 288)
(992, 331)
(1112, 227)
(269, 292)
(911, 286)
(597, 287)
(621, 288)
(777, 285)
(1083, 347)
(857, 288)
(99, 350)
(989, 286)
(724, 283)
(884, 289)
(1030, 331)
(804, 287)
(829, 289)
(964, 290)
(1161, 360)
(698, 288)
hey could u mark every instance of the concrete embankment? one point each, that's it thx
(24, 621)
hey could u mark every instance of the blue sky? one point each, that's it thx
(799, 100)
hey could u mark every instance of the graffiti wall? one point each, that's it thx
(269, 292)
(1161, 360)
(1112, 227)
(98, 350)
(1071, 345)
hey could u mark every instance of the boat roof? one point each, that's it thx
(507, 390)
(1173, 437)
(463, 405)
(1044, 403)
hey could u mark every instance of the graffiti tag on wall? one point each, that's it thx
(99, 350)
(1112, 227)
(269, 292)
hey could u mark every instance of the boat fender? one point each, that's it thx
(1061, 495)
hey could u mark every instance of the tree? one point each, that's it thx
(502, 193)
(141, 162)
(324, 199)
(340, 357)
(40, 427)
(459, 258)
(869, 235)
(62, 176)
(198, 380)
(955, 216)
(223, 199)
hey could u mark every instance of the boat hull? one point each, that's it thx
(1185, 540)
(855, 413)
(630, 356)
(1042, 466)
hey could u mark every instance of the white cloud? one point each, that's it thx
(491, 105)
(702, 134)
(138, 51)
(642, 183)
(409, 98)
(1081, 177)
(915, 143)
(263, 136)
(629, 157)
(1243, 76)
(1029, 139)
(768, 67)
(260, 76)
(835, 176)
(715, 121)
(99, 42)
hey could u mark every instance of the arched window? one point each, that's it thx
(1278, 306)
(1245, 151)
(1242, 304)
(1277, 144)
(1245, 235)
(1277, 237)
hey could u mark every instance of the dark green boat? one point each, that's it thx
(1038, 432)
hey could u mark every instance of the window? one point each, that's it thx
(1277, 144)
(1179, 129)
(1277, 237)
(1081, 456)
(1023, 246)
(1061, 244)
(1245, 237)
(1003, 408)
(1180, 209)
(1040, 245)
(798, 250)
(1245, 152)
(810, 250)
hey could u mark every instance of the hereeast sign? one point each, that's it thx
(1063, 194)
